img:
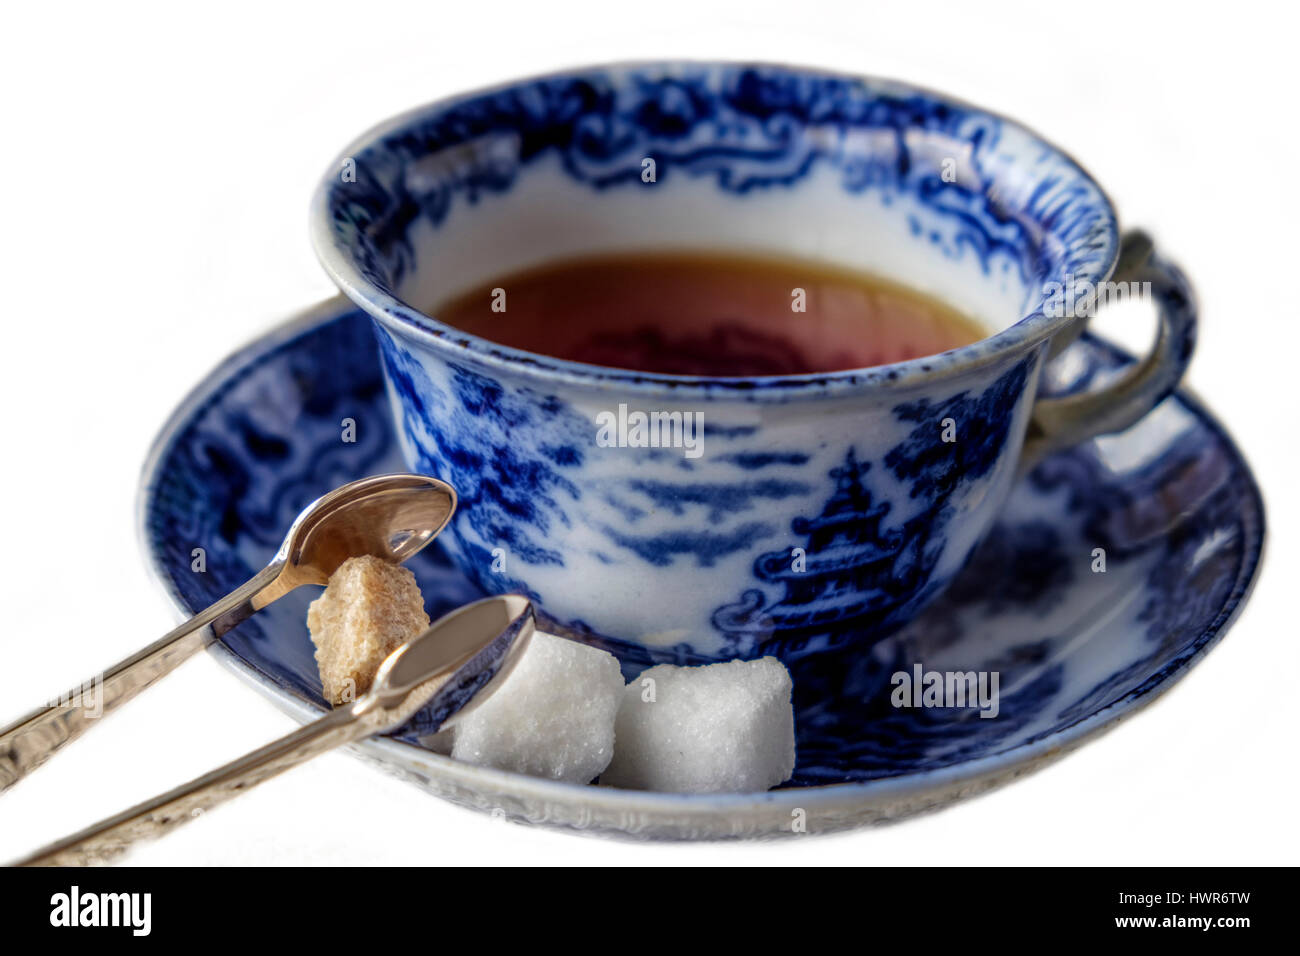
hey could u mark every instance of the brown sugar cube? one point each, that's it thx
(369, 609)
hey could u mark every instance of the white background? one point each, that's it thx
(157, 166)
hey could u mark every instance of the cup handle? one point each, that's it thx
(1058, 423)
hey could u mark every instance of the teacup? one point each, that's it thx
(810, 511)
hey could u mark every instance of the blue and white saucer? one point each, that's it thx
(1171, 503)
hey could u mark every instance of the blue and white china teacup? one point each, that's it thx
(794, 513)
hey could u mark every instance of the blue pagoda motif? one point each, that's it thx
(851, 575)
(854, 579)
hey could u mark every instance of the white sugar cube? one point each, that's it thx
(713, 729)
(553, 716)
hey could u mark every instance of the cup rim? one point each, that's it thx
(452, 343)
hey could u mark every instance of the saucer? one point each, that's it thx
(1113, 569)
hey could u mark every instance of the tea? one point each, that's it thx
(701, 314)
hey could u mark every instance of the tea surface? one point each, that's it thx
(699, 314)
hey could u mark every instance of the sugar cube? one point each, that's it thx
(369, 609)
(552, 717)
(717, 728)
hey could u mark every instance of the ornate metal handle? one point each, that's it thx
(460, 659)
(153, 818)
(30, 741)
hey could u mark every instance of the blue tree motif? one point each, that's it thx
(507, 453)
(937, 468)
